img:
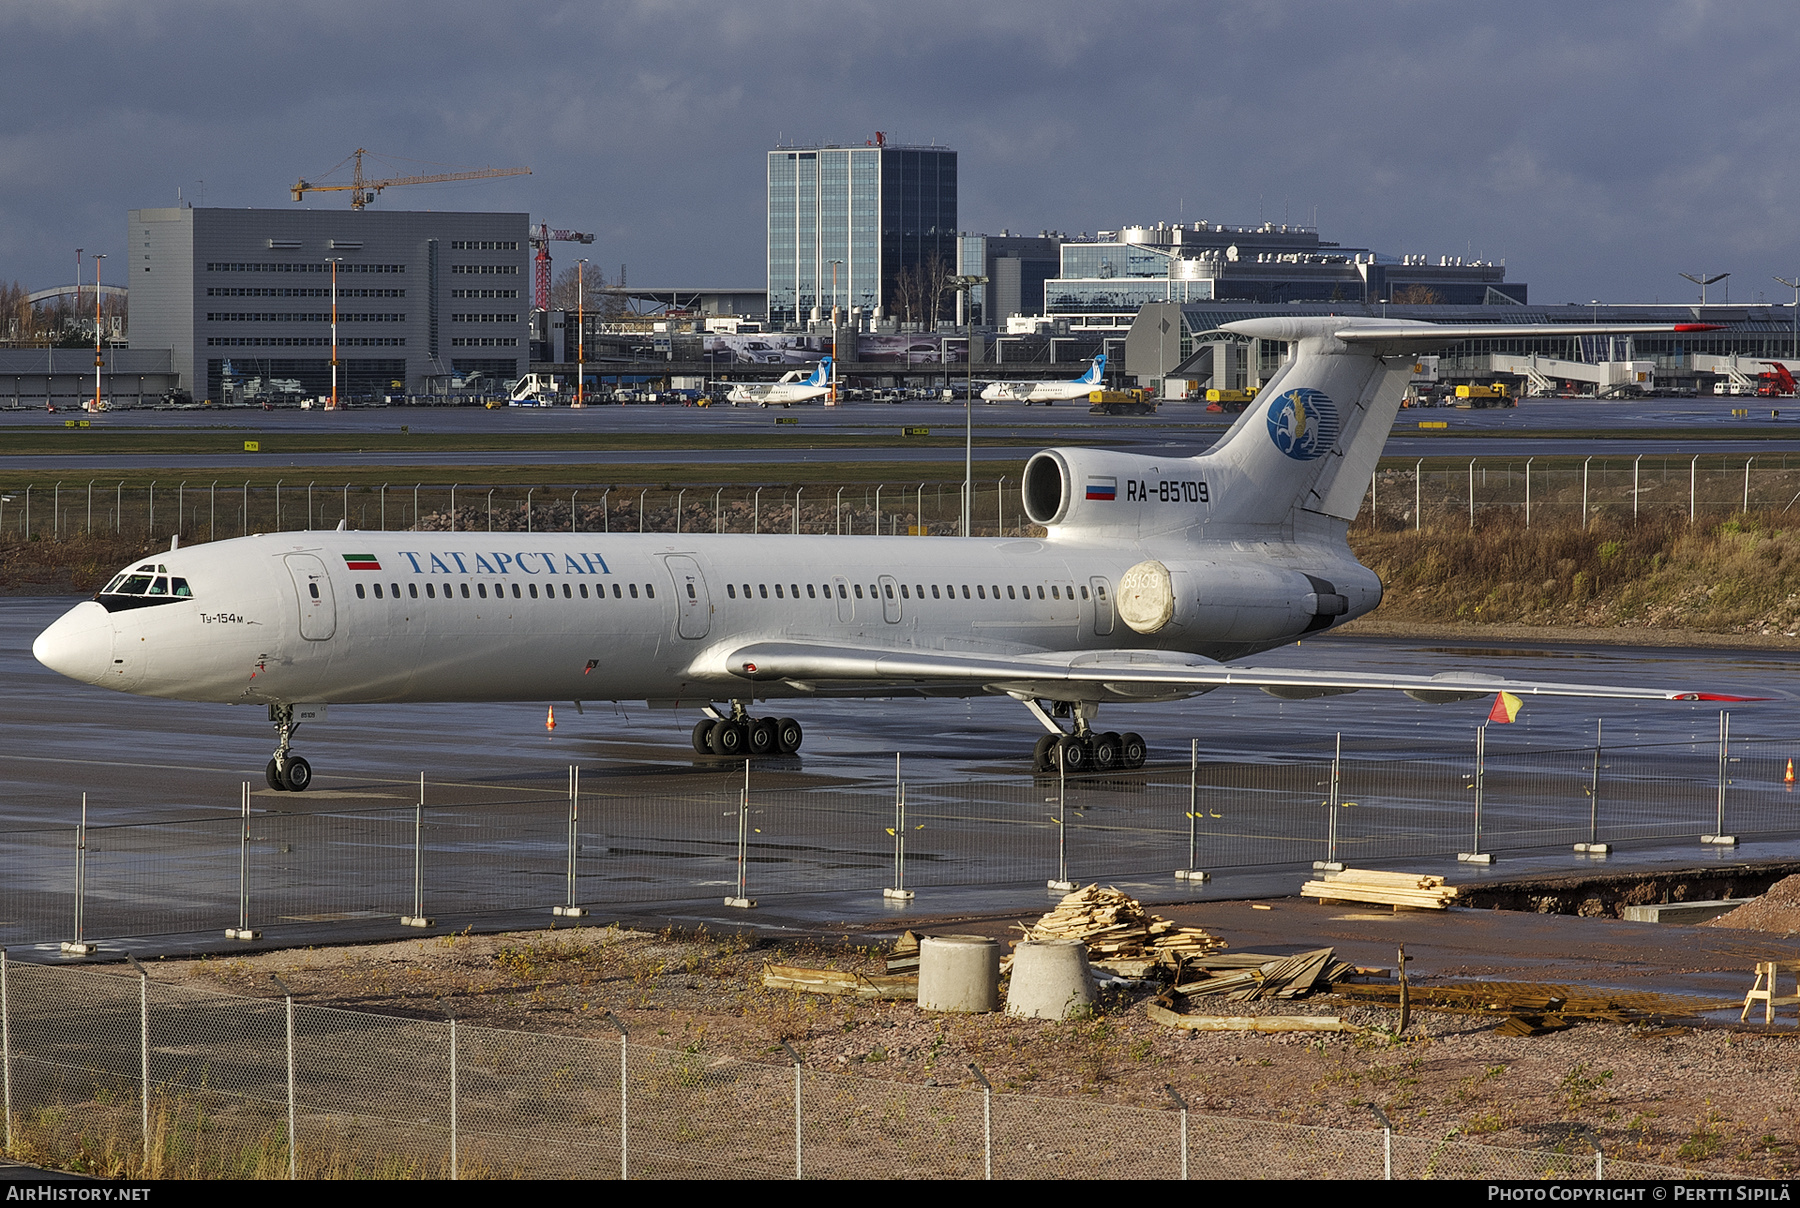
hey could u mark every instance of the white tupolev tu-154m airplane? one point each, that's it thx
(1155, 572)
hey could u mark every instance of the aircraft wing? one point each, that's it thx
(1128, 673)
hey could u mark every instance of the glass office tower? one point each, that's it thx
(869, 214)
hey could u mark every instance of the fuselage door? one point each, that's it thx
(890, 599)
(846, 613)
(1103, 606)
(318, 606)
(691, 598)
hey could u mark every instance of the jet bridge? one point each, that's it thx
(1546, 374)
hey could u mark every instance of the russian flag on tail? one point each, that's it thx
(1506, 708)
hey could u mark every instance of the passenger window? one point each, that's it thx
(691, 593)
(395, 588)
(359, 591)
(903, 594)
(873, 594)
(481, 590)
(617, 594)
(584, 591)
(965, 591)
(634, 591)
(181, 588)
(1040, 592)
(934, 591)
(378, 591)
(430, 592)
(920, 588)
(1084, 593)
(412, 589)
(1100, 591)
(446, 591)
(763, 589)
(841, 594)
(650, 590)
(996, 591)
(811, 592)
(516, 593)
(568, 592)
(778, 594)
(859, 591)
(795, 588)
(731, 590)
(465, 591)
(979, 590)
(1053, 592)
(533, 590)
(1009, 592)
(160, 587)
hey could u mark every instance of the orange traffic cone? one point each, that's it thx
(550, 721)
(1789, 778)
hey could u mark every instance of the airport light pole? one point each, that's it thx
(335, 261)
(963, 285)
(1702, 280)
(98, 359)
(1793, 285)
(831, 393)
(580, 330)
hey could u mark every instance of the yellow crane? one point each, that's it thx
(362, 191)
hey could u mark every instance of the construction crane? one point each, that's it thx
(541, 235)
(362, 191)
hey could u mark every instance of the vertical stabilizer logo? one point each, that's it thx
(1303, 423)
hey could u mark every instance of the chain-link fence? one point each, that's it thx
(1423, 492)
(121, 1075)
(469, 849)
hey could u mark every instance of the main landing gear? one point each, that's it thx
(286, 773)
(741, 735)
(1086, 749)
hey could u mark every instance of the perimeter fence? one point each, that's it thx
(1419, 493)
(399, 850)
(121, 1075)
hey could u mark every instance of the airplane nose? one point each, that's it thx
(79, 644)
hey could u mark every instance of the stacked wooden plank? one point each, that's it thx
(837, 981)
(1119, 933)
(1417, 891)
(1538, 999)
(1248, 976)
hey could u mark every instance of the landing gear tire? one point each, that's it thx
(297, 775)
(1132, 750)
(788, 736)
(762, 737)
(727, 738)
(1107, 755)
(1074, 754)
(272, 774)
(1041, 758)
(703, 736)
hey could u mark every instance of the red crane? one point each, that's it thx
(541, 235)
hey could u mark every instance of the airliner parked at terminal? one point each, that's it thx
(1048, 392)
(789, 389)
(1155, 571)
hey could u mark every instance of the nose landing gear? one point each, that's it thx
(286, 772)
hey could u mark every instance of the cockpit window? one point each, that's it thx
(143, 586)
(136, 585)
(180, 588)
(160, 587)
(114, 585)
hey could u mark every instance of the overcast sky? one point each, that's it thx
(1600, 148)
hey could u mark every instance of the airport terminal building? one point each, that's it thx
(245, 296)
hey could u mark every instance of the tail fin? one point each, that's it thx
(822, 375)
(1310, 443)
(1095, 371)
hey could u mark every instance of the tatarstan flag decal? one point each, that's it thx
(361, 562)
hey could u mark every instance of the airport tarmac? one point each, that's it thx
(663, 823)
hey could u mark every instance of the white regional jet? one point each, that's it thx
(1048, 392)
(1154, 571)
(789, 389)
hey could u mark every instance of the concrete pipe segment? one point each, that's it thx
(1050, 979)
(959, 973)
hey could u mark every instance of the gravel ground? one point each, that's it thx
(1776, 911)
(1718, 1097)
